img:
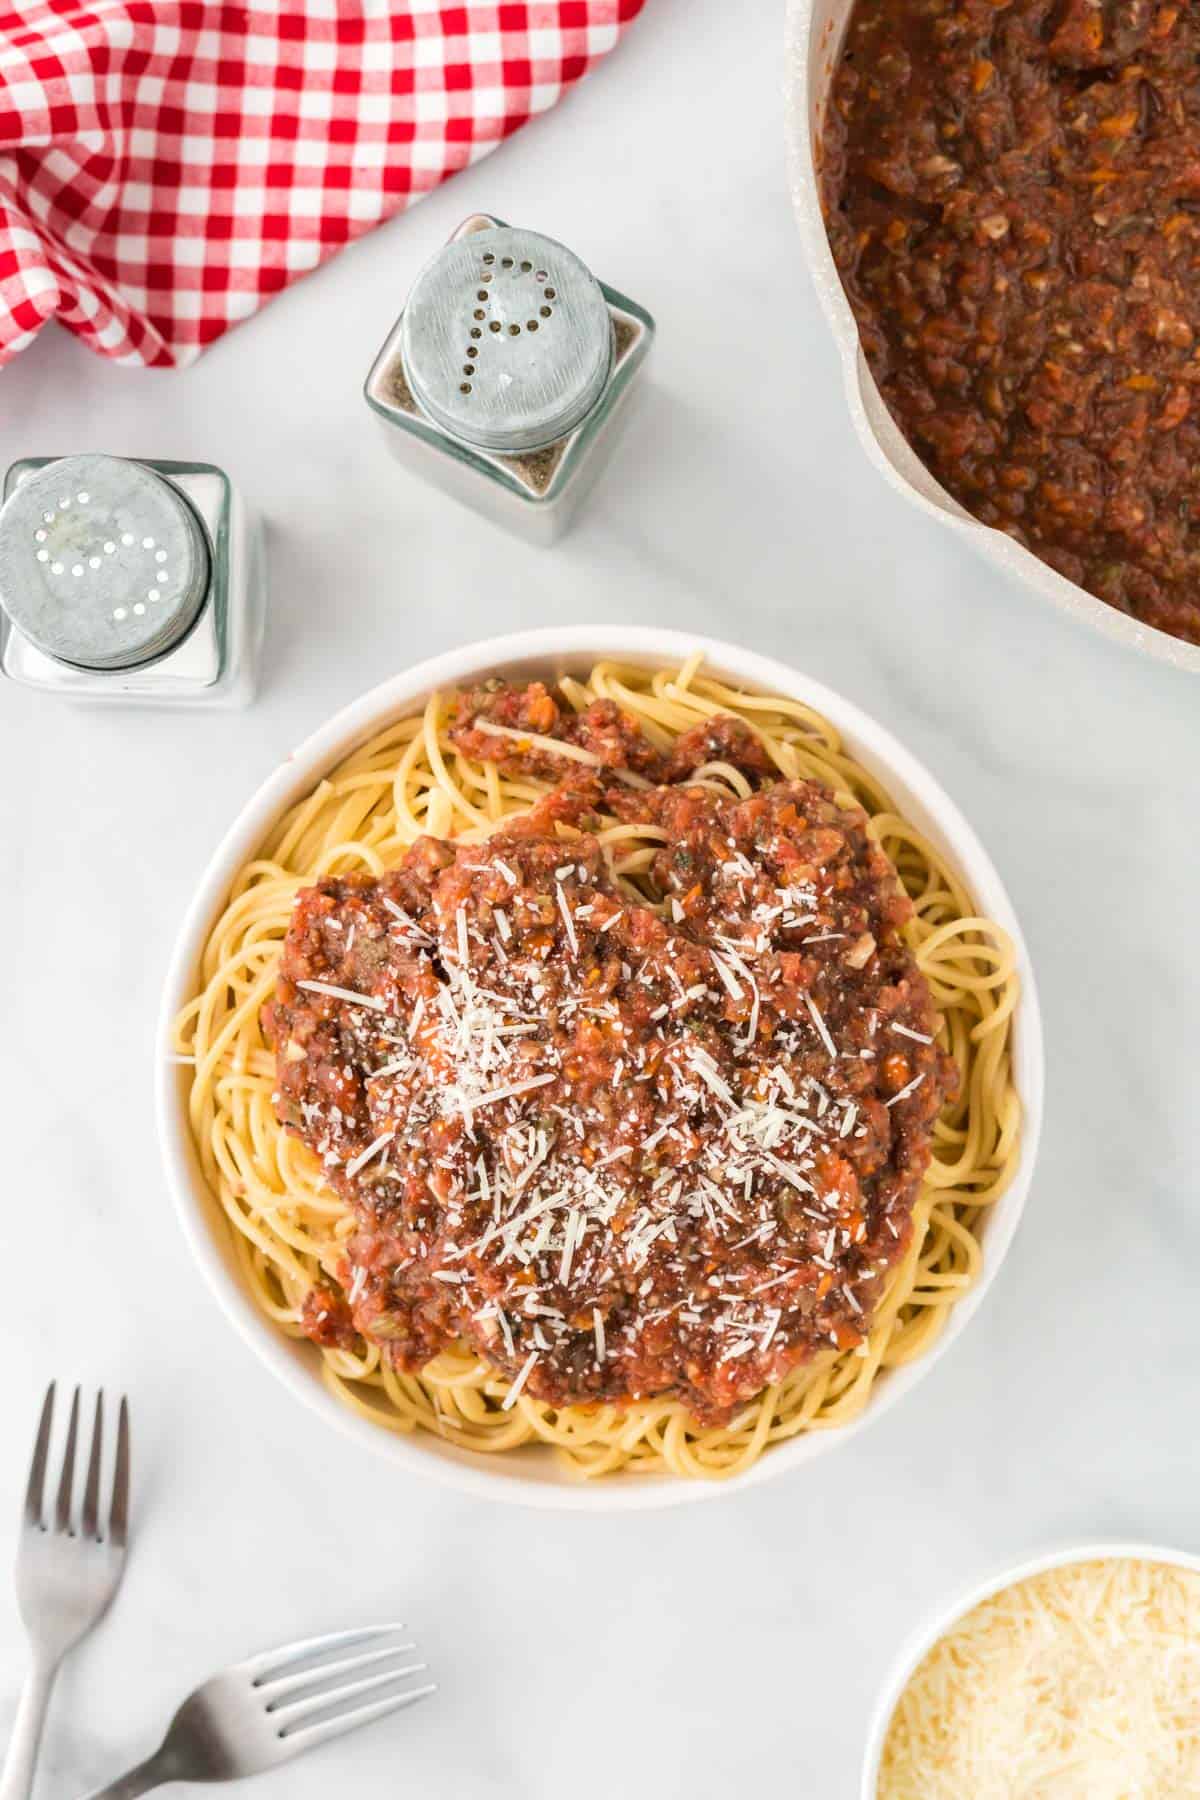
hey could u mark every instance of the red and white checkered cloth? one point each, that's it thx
(168, 165)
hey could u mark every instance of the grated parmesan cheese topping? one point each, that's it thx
(1081, 1683)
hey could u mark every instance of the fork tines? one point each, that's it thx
(113, 1529)
(325, 1686)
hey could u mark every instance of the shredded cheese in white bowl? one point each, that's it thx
(1074, 1678)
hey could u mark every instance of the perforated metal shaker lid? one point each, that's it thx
(103, 563)
(507, 340)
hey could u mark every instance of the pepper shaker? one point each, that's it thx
(135, 581)
(503, 379)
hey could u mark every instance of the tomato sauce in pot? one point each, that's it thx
(1012, 194)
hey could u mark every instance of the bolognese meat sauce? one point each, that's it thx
(621, 1150)
(1012, 192)
(496, 724)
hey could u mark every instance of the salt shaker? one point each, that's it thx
(504, 376)
(133, 581)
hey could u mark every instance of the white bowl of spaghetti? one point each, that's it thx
(269, 1233)
(1075, 1673)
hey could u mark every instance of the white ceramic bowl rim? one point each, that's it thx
(814, 33)
(532, 1478)
(921, 1640)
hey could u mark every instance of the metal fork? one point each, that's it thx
(66, 1574)
(265, 1711)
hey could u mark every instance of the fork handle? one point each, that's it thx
(21, 1761)
(149, 1774)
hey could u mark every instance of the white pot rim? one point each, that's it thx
(520, 1478)
(922, 1639)
(802, 22)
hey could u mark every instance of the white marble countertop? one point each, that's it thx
(734, 1644)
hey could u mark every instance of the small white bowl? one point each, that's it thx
(922, 1640)
(532, 1476)
(815, 29)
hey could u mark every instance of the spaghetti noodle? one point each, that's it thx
(291, 1228)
